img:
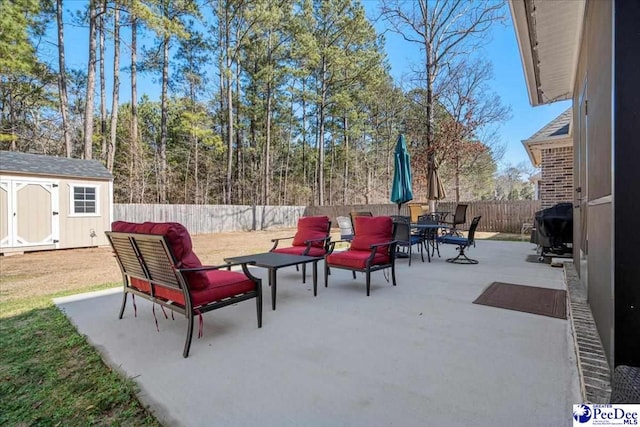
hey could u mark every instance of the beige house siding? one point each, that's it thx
(593, 220)
(556, 183)
(84, 230)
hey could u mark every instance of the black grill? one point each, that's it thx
(553, 229)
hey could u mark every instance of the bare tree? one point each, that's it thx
(472, 112)
(62, 82)
(91, 83)
(103, 83)
(163, 185)
(111, 151)
(445, 30)
(135, 165)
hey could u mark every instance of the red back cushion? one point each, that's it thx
(125, 227)
(179, 240)
(311, 227)
(372, 230)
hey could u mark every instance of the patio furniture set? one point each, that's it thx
(158, 263)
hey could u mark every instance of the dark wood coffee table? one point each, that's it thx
(273, 261)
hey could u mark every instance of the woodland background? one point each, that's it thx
(268, 102)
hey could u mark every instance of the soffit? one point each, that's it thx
(548, 34)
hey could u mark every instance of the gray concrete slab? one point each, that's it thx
(419, 354)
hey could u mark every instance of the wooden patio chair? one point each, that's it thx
(157, 263)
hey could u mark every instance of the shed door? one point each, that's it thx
(5, 227)
(29, 213)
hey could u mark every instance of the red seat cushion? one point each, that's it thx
(372, 230)
(298, 250)
(180, 242)
(311, 227)
(220, 284)
(356, 259)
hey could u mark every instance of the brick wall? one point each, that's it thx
(556, 184)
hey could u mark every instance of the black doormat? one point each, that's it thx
(530, 299)
(536, 259)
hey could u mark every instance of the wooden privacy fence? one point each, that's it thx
(497, 216)
(201, 219)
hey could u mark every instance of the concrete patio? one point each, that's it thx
(419, 354)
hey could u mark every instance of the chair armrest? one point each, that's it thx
(377, 245)
(310, 242)
(320, 239)
(212, 267)
(228, 266)
(333, 242)
(276, 241)
(392, 249)
(332, 245)
(281, 238)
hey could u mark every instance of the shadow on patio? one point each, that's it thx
(419, 354)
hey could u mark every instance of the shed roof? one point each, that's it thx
(556, 133)
(40, 164)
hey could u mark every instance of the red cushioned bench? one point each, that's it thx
(158, 263)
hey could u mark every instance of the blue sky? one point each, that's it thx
(508, 82)
(502, 51)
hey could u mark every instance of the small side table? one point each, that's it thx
(273, 261)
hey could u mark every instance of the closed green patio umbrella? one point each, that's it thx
(401, 191)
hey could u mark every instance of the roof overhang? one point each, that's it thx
(534, 147)
(548, 34)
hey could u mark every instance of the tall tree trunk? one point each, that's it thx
(91, 83)
(240, 155)
(221, 62)
(267, 150)
(194, 141)
(135, 164)
(162, 191)
(116, 87)
(430, 76)
(332, 167)
(457, 179)
(289, 142)
(103, 86)
(228, 179)
(196, 171)
(62, 82)
(13, 119)
(345, 187)
(321, 119)
(304, 134)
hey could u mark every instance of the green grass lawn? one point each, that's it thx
(51, 376)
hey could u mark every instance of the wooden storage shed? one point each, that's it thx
(51, 202)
